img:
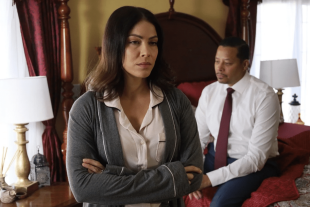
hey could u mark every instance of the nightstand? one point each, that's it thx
(56, 195)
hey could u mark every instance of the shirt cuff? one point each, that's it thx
(216, 178)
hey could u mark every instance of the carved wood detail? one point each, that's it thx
(66, 68)
(171, 10)
(199, 50)
(245, 15)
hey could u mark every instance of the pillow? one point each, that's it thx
(193, 90)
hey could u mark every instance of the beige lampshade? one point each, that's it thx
(280, 73)
(24, 100)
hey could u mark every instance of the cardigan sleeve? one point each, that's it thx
(190, 148)
(116, 185)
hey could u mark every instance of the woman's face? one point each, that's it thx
(141, 50)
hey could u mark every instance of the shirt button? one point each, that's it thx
(142, 142)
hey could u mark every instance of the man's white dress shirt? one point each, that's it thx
(253, 126)
(144, 149)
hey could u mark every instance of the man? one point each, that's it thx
(238, 118)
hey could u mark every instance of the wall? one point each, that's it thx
(89, 17)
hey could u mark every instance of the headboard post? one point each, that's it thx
(66, 68)
(245, 14)
(171, 10)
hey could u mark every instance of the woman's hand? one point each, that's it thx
(204, 184)
(189, 172)
(93, 166)
(197, 194)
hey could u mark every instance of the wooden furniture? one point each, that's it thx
(192, 40)
(65, 67)
(57, 195)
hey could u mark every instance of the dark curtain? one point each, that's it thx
(233, 23)
(40, 34)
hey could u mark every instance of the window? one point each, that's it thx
(282, 32)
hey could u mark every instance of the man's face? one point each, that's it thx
(229, 68)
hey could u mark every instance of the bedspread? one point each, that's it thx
(294, 155)
(303, 186)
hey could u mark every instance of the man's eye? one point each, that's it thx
(227, 63)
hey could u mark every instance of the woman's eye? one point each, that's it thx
(227, 63)
(153, 43)
(134, 42)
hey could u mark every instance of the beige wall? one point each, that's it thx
(89, 17)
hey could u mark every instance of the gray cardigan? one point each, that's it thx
(93, 133)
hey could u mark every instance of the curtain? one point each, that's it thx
(13, 65)
(283, 31)
(40, 32)
(233, 23)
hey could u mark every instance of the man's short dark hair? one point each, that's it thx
(240, 44)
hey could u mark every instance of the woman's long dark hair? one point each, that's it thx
(108, 75)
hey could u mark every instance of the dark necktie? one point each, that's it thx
(222, 139)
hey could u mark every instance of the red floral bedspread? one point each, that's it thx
(294, 155)
(303, 187)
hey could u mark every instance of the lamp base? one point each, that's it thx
(22, 164)
(28, 189)
(280, 93)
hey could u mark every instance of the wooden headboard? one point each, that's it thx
(190, 45)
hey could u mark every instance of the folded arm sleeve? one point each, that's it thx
(190, 153)
(116, 185)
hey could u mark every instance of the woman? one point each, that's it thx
(136, 130)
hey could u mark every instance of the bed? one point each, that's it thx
(192, 61)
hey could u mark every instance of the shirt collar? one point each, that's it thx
(115, 103)
(154, 99)
(241, 84)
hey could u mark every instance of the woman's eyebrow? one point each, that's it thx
(142, 37)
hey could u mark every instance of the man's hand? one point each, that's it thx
(189, 172)
(93, 166)
(204, 184)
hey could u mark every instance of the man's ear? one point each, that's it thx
(245, 65)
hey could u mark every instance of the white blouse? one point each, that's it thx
(144, 149)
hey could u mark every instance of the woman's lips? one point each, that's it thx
(144, 64)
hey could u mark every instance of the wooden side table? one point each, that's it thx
(57, 195)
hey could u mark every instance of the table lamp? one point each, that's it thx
(280, 74)
(24, 100)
